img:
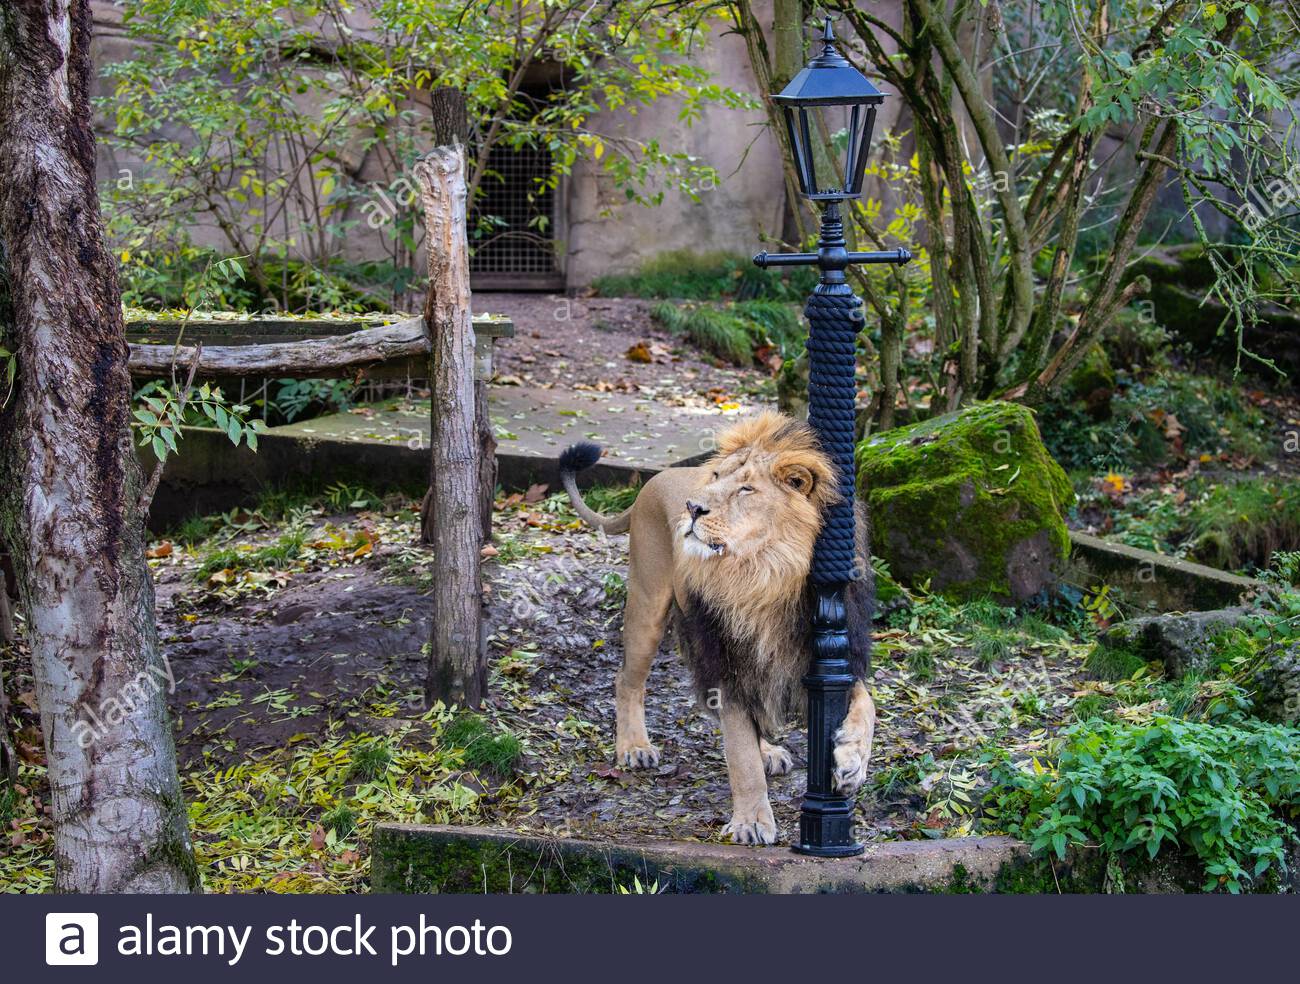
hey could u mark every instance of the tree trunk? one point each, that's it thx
(70, 480)
(457, 665)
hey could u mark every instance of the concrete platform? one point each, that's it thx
(638, 432)
(387, 450)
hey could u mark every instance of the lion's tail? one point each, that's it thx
(577, 458)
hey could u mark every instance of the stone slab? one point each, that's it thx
(1156, 582)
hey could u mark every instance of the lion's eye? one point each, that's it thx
(746, 488)
(715, 476)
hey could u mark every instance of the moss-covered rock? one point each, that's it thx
(970, 501)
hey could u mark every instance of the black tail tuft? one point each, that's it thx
(579, 457)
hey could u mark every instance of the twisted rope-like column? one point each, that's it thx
(835, 318)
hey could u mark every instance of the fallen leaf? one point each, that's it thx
(163, 549)
(535, 493)
(639, 352)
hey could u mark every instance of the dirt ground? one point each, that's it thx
(275, 656)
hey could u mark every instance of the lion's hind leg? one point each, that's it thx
(853, 741)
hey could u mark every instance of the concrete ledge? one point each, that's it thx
(420, 859)
(1153, 581)
(212, 475)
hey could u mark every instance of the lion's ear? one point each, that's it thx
(795, 476)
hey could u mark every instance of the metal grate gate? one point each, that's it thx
(512, 249)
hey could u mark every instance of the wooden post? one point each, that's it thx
(457, 662)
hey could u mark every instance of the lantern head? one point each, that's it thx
(832, 102)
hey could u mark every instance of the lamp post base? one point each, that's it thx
(826, 829)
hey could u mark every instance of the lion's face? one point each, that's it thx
(757, 505)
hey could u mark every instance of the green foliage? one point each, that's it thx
(734, 330)
(371, 761)
(611, 498)
(1211, 416)
(684, 275)
(1219, 792)
(1244, 524)
(1114, 662)
(9, 370)
(164, 412)
(312, 397)
(497, 753)
(252, 122)
(1283, 568)
(342, 821)
(286, 549)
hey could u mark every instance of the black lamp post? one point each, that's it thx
(827, 102)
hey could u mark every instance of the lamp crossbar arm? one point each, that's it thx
(766, 259)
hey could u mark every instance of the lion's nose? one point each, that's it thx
(695, 509)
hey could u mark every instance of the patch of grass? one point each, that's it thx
(342, 820)
(251, 818)
(194, 530)
(370, 761)
(498, 753)
(706, 276)
(345, 497)
(281, 553)
(1244, 524)
(920, 663)
(732, 331)
(989, 613)
(1091, 706)
(991, 647)
(1113, 662)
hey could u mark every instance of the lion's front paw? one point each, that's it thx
(776, 760)
(637, 755)
(852, 753)
(760, 828)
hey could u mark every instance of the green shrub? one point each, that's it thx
(1283, 568)
(1211, 415)
(1217, 792)
(706, 276)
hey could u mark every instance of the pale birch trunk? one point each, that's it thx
(69, 480)
(457, 664)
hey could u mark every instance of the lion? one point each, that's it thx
(722, 551)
